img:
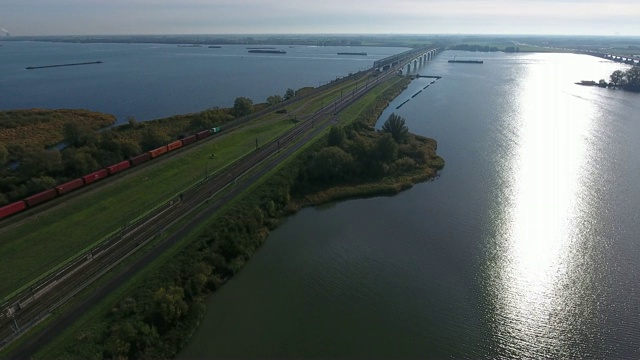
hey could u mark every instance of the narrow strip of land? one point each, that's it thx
(68, 282)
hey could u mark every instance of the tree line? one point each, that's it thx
(627, 80)
(156, 319)
(28, 169)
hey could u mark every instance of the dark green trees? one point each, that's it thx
(242, 106)
(395, 125)
(616, 77)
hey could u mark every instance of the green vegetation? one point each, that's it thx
(467, 47)
(628, 80)
(42, 128)
(87, 149)
(39, 243)
(86, 220)
(157, 317)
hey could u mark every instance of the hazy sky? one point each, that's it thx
(86, 17)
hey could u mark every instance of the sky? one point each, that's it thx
(121, 17)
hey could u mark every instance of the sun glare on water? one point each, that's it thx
(540, 232)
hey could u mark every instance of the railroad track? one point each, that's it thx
(29, 307)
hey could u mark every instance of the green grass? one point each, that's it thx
(48, 239)
(93, 320)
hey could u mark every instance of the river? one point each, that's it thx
(150, 81)
(526, 246)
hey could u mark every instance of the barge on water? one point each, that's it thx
(267, 51)
(61, 65)
(466, 61)
(353, 53)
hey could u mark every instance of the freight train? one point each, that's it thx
(110, 170)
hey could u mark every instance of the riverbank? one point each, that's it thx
(161, 313)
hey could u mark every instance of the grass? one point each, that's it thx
(49, 239)
(52, 237)
(94, 321)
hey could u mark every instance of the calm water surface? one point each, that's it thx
(526, 246)
(150, 81)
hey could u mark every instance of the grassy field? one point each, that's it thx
(46, 240)
(51, 237)
(94, 323)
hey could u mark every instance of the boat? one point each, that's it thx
(267, 51)
(189, 45)
(353, 53)
(466, 61)
(214, 46)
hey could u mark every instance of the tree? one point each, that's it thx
(170, 304)
(129, 148)
(289, 94)
(616, 77)
(131, 120)
(395, 125)
(242, 106)
(331, 165)
(4, 155)
(387, 149)
(632, 76)
(201, 122)
(337, 136)
(274, 99)
(602, 83)
(76, 135)
(39, 162)
(153, 138)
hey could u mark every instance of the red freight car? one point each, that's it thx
(202, 134)
(95, 176)
(39, 198)
(69, 186)
(116, 168)
(12, 208)
(137, 160)
(159, 151)
(174, 145)
(189, 140)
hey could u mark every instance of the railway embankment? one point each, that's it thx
(158, 316)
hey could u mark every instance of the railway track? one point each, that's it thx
(34, 304)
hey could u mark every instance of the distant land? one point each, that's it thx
(615, 45)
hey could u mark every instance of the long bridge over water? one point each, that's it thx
(414, 57)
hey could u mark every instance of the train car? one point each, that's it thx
(116, 168)
(137, 160)
(95, 176)
(41, 197)
(202, 134)
(189, 140)
(12, 208)
(159, 151)
(69, 186)
(174, 145)
(215, 129)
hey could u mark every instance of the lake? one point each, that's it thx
(526, 246)
(150, 81)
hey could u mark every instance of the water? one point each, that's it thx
(525, 247)
(150, 81)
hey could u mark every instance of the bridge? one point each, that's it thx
(629, 60)
(416, 57)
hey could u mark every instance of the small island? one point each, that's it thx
(626, 80)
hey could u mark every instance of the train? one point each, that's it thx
(69, 186)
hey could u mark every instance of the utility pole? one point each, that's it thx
(15, 322)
